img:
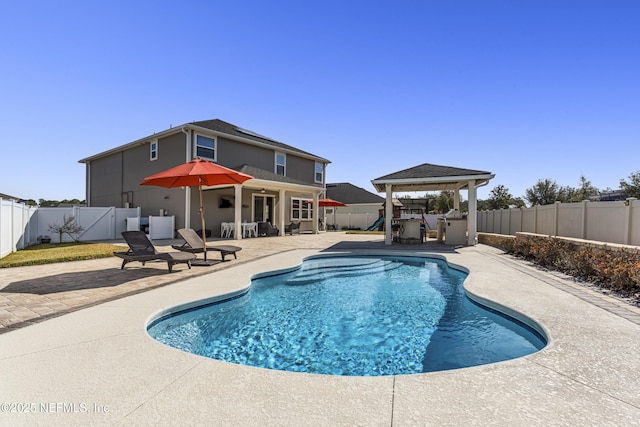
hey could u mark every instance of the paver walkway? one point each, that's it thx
(35, 293)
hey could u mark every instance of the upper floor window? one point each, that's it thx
(206, 147)
(281, 164)
(319, 172)
(153, 150)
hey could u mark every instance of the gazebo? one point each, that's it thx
(428, 177)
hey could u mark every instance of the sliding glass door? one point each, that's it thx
(264, 208)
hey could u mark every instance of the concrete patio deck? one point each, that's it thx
(62, 365)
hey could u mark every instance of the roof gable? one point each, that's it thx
(223, 127)
(218, 127)
(429, 177)
(428, 170)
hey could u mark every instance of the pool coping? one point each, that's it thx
(102, 365)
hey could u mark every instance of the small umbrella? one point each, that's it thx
(199, 173)
(323, 203)
(329, 202)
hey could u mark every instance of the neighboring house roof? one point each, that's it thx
(349, 194)
(431, 177)
(218, 127)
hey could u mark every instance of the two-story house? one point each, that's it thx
(286, 180)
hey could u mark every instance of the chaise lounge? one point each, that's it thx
(142, 250)
(193, 244)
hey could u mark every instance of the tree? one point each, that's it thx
(499, 198)
(573, 195)
(55, 203)
(69, 227)
(545, 192)
(444, 202)
(565, 194)
(631, 188)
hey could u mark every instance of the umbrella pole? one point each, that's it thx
(204, 233)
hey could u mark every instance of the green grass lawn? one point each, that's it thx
(47, 253)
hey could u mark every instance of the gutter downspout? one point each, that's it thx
(187, 190)
(87, 183)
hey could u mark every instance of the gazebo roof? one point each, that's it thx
(429, 177)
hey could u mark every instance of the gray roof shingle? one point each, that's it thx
(233, 130)
(349, 194)
(428, 170)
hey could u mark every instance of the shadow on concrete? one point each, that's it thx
(80, 280)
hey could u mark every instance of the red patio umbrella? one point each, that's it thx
(197, 172)
(329, 203)
(323, 203)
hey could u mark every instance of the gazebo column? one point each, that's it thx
(472, 217)
(388, 215)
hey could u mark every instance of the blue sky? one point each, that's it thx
(527, 90)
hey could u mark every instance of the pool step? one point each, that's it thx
(323, 271)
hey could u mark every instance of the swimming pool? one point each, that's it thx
(353, 316)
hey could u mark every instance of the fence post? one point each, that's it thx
(521, 219)
(583, 230)
(113, 223)
(627, 224)
(556, 217)
(12, 223)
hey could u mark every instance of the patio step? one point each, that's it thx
(343, 268)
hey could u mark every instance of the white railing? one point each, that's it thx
(612, 222)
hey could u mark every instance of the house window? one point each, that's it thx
(206, 147)
(319, 172)
(281, 163)
(153, 150)
(301, 209)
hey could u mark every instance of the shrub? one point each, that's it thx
(618, 271)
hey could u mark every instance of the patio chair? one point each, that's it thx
(294, 227)
(193, 244)
(266, 229)
(142, 250)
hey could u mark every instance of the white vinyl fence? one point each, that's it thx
(97, 223)
(15, 226)
(611, 222)
(365, 220)
(22, 225)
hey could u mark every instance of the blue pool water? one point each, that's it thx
(357, 316)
